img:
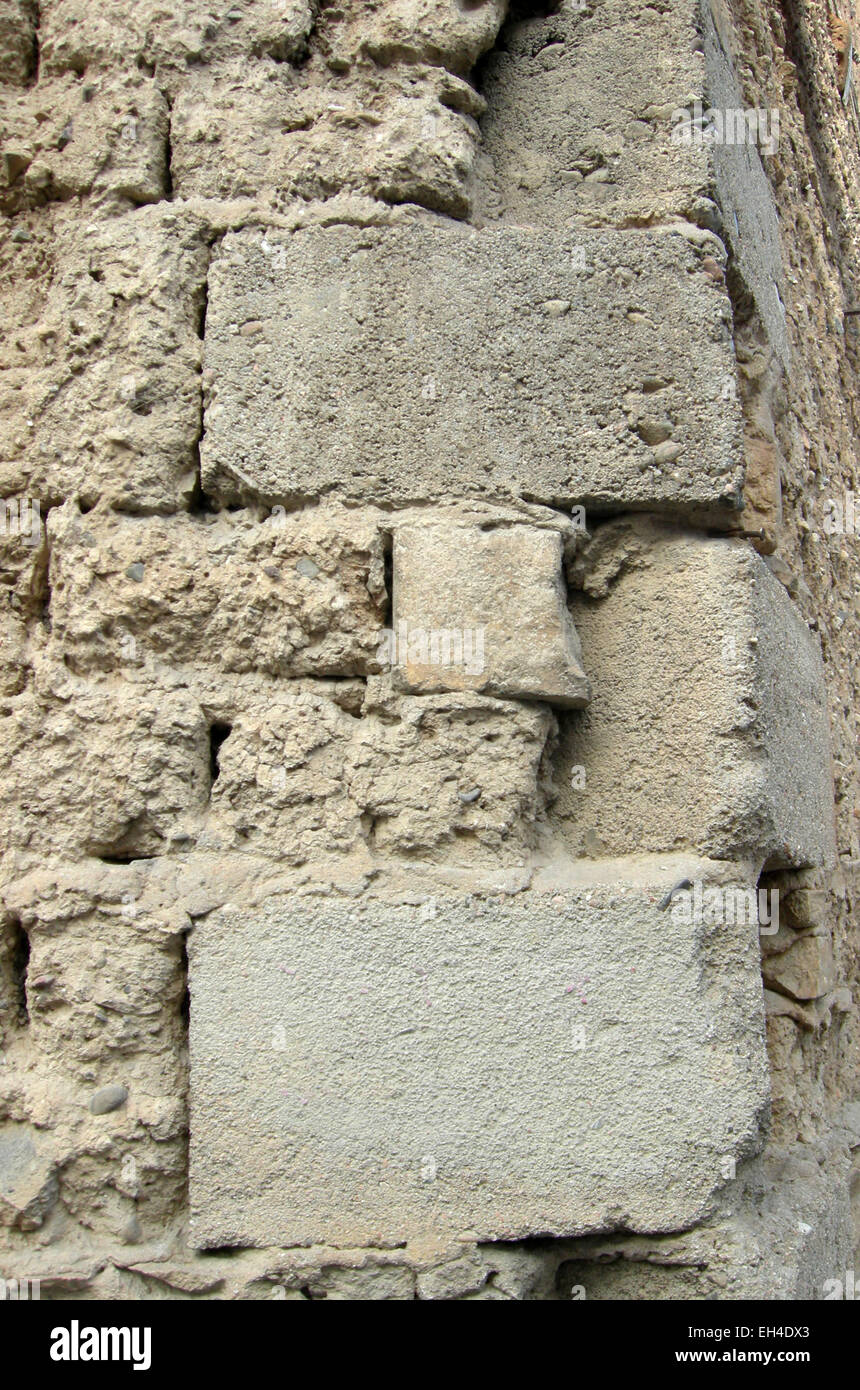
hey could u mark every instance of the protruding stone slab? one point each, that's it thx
(708, 721)
(370, 1071)
(413, 363)
(499, 622)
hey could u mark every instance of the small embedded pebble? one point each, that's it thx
(130, 1233)
(107, 1099)
(655, 431)
(468, 797)
(307, 568)
(666, 453)
(135, 571)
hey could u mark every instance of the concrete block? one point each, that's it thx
(499, 624)
(413, 363)
(423, 1065)
(708, 707)
(751, 224)
(546, 158)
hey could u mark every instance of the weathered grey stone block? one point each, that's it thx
(708, 706)
(606, 156)
(570, 1060)
(546, 158)
(405, 363)
(498, 624)
(752, 229)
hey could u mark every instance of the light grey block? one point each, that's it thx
(412, 363)
(546, 159)
(570, 1060)
(606, 155)
(708, 722)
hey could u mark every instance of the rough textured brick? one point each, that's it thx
(101, 769)
(285, 595)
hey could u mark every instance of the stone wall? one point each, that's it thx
(430, 789)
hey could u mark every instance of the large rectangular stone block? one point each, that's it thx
(650, 158)
(413, 1067)
(169, 38)
(708, 722)
(547, 158)
(411, 362)
(449, 775)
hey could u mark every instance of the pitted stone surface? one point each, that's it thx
(285, 595)
(190, 716)
(110, 409)
(102, 769)
(609, 154)
(410, 363)
(450, 774)
(372, 1071)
